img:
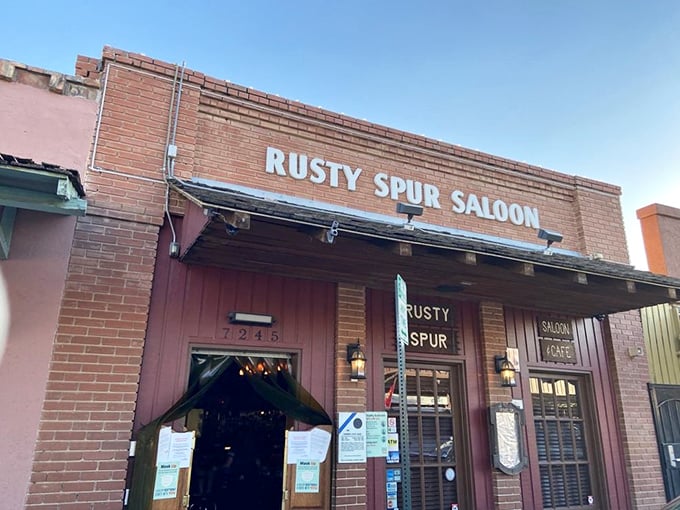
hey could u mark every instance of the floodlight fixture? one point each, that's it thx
(550, 237)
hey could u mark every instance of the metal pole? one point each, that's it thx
(402, 340)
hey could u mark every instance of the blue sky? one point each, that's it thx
(584, 87)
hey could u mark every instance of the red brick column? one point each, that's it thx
(350, 479)
(507, 494)
(600, 220)
(630, 377)
(82, 448)
(660, 225)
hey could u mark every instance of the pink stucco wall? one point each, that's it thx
(43, 126)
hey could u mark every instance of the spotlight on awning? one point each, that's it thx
(550, 237)
(410, 211)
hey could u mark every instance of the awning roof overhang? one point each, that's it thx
(25, 184)
(40, 187)
(226, 227)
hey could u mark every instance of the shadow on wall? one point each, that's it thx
(4, 315)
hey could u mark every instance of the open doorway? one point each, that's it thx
(235, 402)
(238, 458)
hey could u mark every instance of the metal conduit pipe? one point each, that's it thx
(171, 168)
(171, 154)
(169, 125)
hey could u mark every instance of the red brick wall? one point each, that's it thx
(630, 376)
(507, 494)
(222, 134)
(81, 452)
(88, 67)
(600, 222)
(350, 479)
(660, 227)
(224, 131)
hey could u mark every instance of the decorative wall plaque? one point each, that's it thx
(507, 439)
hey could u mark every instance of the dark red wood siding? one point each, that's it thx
(189, 308)
(591, 353)
(381, 344)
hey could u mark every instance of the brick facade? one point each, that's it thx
(224, 130)
(660, 223)
(223, 134)
(629, 376)
(350, 479)
(81, 452)
(506, 489)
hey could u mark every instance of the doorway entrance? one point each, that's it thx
(238, 458)
(240, 406)
(235, 402)
(666, 409)
(437, 451)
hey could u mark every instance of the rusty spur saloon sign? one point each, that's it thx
(559, 345)
(430, 327)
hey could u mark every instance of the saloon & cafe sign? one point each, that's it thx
(556, 337)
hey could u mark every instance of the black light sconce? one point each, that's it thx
(506, 369)
(357, 359)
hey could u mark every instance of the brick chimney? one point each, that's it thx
(661, 235)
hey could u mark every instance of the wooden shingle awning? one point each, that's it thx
(227, 227)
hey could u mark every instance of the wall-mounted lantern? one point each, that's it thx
(506, 369)
(357, 359)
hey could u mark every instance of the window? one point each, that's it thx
(433, 415)
(561, 442)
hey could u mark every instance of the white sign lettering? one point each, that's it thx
(428, 312)
(318, 170)
(437, 341)
(416, 192)
(498, 210)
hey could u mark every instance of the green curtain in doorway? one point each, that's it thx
(275, 384)
(268, 378)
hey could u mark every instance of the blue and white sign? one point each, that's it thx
(351, 437)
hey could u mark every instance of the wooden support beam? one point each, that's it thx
(321, 234)
(523, 268)
(672, 293)
(630, 287)
(580, 278)
(402, 249)
(466, 257)
(237, 219)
